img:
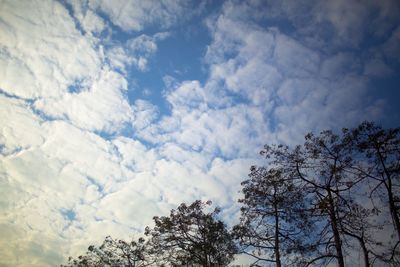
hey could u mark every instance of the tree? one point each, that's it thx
(190, 236)
(113, 253)
(382, 150)
(381, 166)
(273, 224)
(322, 165)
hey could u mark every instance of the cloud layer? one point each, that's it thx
(81, 160)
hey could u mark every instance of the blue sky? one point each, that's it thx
(112, 112)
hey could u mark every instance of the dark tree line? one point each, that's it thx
(309, 205)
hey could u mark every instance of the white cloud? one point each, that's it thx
(71, 170)
(39, 59)
(232, 131)
(143, 43)
(119, 58)
(133, 198)
(141, 48)
(88, 19)
(134, 155)
(188, 95)
(295, 59)
(188, 158)
(135, 15)
(47, 69)
(313, 87)
(347, 18)
(20, 127)
(101, 106)
(144, 114)
(317, 104)
(136, 51)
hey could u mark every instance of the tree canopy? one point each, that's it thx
(191, 236)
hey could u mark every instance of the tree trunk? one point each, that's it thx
(392, 207)
(335, 230)
(365, 252)
(276, 247)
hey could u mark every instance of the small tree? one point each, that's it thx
(190, 236)
(113, 253)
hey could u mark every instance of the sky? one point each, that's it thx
(112, 111)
